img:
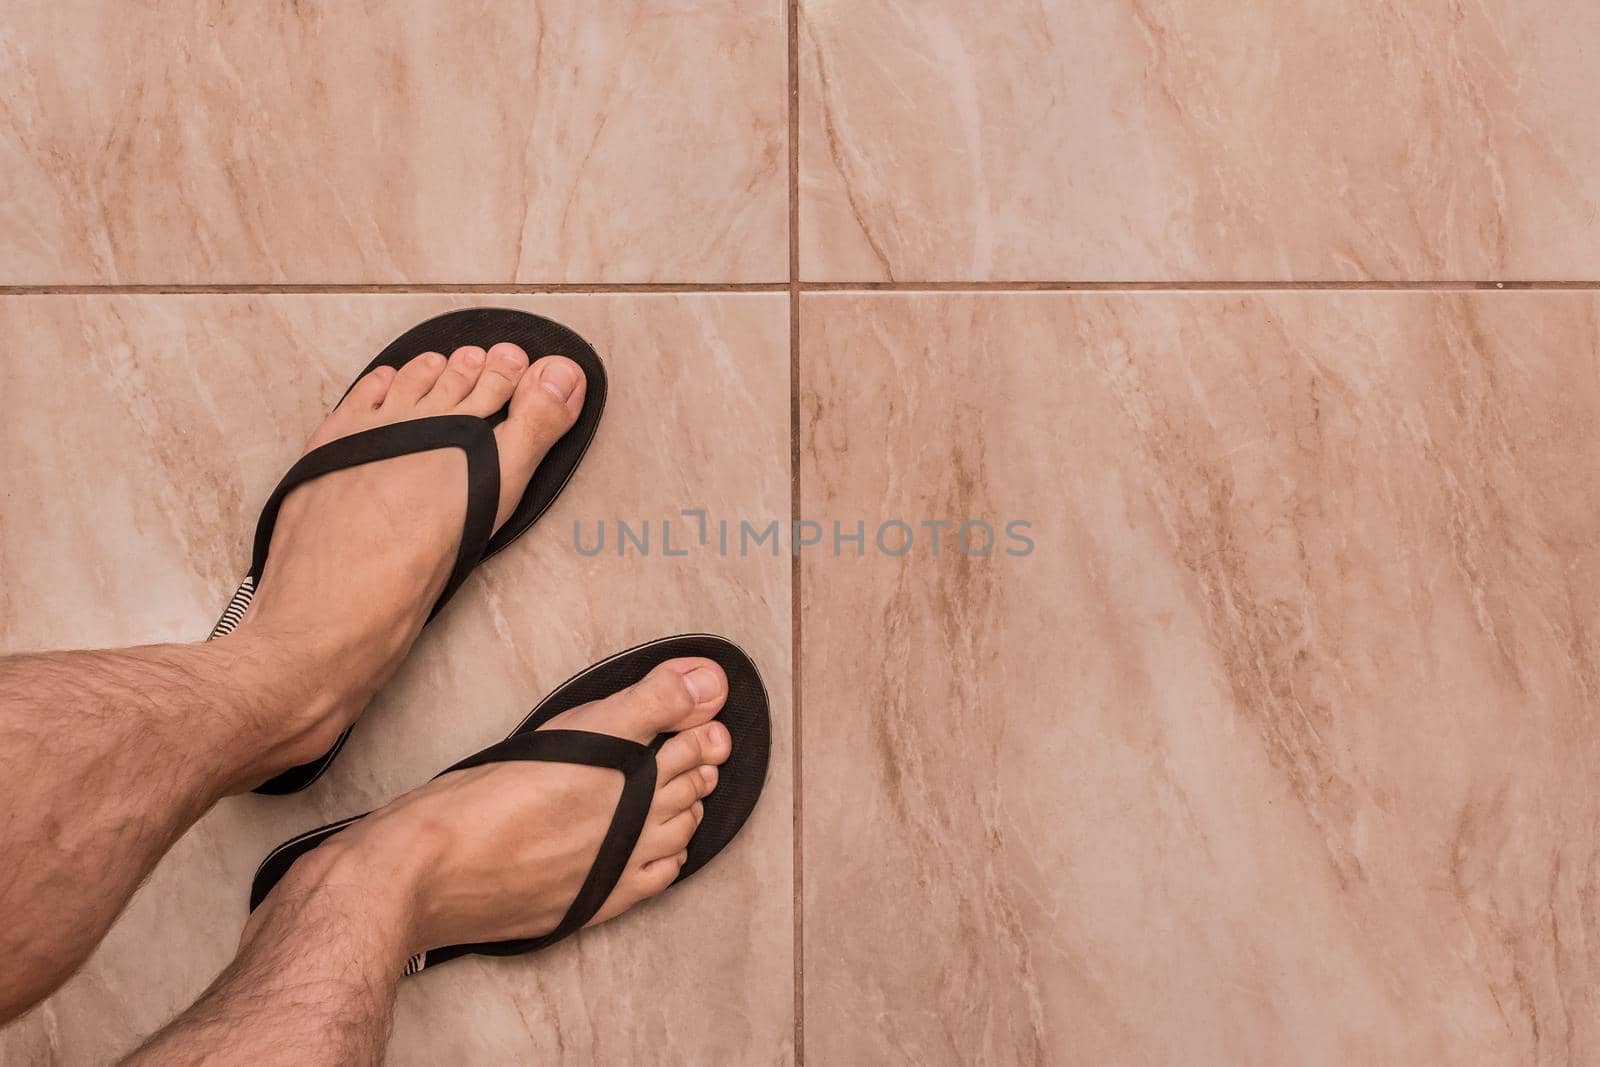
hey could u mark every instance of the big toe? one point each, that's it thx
(545, 402)
(677, 695)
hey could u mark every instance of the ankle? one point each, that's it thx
(409, 843)
(292, 699)
(352, 882)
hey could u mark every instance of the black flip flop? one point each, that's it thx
(739, 781)
(482, 327)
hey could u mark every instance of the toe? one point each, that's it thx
(642, 880)
(640, 883)
(549, 398)
(460, 376)
(505, 364)
(364, 398)
(669, 836)
(677, 695)
(544, 405)
(657, 875)
(704, 745)
(680, 794)
(674, 834)
(369, 392)
(414, 380)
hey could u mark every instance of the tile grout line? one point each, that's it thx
(794, 286)
(797, 860)
(1191, 287)
(507, 288)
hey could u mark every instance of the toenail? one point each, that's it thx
(702, 681)
(509, 359)
(472, 357)
(560, 378)
(717, 734)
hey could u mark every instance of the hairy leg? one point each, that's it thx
(314, 981)
(483, 854)
(109, 757)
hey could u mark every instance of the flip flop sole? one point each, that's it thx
(746, 714)
(483, 328)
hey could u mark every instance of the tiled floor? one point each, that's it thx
(213, 143)
(1269, 738)
(1276, 748)
(1198, 140)
(184, 410)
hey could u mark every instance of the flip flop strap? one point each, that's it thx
(467, 432)
(637, 764)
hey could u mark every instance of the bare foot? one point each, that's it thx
(498, 852)
(359, 556)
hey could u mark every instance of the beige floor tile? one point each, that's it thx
(1280, 744)
(1168, 140)
(432, 141)
(141, 437)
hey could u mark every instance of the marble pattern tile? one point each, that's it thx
(432, 141)
(1278, 747)
(1165, 140)
(142, 434)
